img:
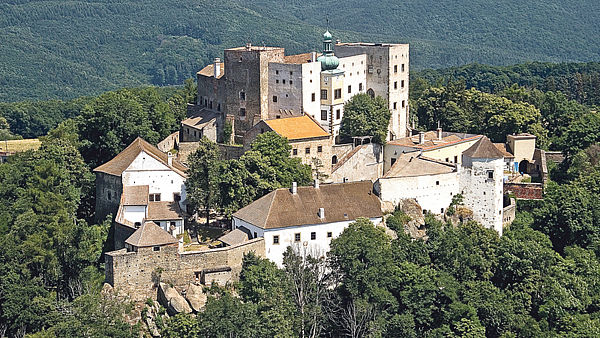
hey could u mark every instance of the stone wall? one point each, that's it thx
(555, 156)
(132, 272)
(108, 195)
(121, 233)
(528, 191)
(170, 142)
(509, 213)
(364, 162)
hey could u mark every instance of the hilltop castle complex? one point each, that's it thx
(300, 97)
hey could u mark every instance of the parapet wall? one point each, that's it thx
(136, 273)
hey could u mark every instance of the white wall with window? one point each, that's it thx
(146, 170)
(277, 240)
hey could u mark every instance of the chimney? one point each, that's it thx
(294, 188)
(217, 67)
(313, 56)
(421, 137)
(321, 213)
(316, 184)
(170, 159)
(248, 46)
(439, 133)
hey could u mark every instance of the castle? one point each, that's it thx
(300, 97)
(255, 83)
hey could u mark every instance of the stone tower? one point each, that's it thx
(481, 183)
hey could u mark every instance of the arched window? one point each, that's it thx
(371, 92)
(334, 159)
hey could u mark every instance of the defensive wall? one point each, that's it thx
(136, 273)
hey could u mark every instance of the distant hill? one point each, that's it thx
(63, 49)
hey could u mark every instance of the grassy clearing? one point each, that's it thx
(20, 145)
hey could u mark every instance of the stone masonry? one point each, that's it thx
(132, 272)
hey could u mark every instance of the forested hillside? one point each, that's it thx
(58, 49)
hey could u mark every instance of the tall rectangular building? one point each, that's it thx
(387, 69)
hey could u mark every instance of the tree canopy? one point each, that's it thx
(366, 116)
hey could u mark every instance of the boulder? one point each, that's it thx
(196, 297)
(172, 300)
(416, 226)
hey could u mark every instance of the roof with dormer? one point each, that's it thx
(118, 164)
(340, 201)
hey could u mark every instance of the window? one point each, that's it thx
(262, 130)
(188, 130)
(242, 111)
(323, 94)
(442, 211)
(402, 67)
(402, 83)
(277, 72)
(349, 89)
(395, 68)
(283, 81)
(437, 182)
(218, 107)
(255, 234)
(297, 237)
(108, 195)
(291, 73)
(210, 105)
(395, 105)
(137, 224)
(274, 98)
(294, 152)
(307, 150)
(194, 133)
(154, 197)
(403, 103)
(319, 149)
(447, 159)
(324, 115)
(276, 239)
(337, 94)
(395, 84)
(276, 80)
(490, 174)
(338, 114)
(393, 161)
(172, 225)
(455, 159)
(176, 196)
(156, 248)
(329, 234)
(312, 97)
(360, 88)
(313, 236)
(243, 96)
(291, 82)
(334, 159)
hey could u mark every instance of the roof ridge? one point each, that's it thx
(270, 205)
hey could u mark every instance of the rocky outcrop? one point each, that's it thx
(416, 226)
(196, 297)
(172, 300)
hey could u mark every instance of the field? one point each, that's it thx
(20, 145)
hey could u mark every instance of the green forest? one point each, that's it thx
(67, 49)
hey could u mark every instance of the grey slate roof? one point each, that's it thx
(341, 201)
(150, 234)
(484, 148)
